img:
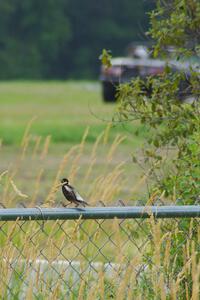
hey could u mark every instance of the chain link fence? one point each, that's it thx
(100, 253)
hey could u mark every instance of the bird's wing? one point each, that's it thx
(78, 196)
(70, 192)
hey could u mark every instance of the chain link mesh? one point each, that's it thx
(100, 259)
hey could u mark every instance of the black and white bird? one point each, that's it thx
(71, 194)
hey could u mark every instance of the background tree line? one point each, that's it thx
(63, 38)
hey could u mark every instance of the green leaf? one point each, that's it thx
(105, 58)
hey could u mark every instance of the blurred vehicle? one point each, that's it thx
(123, 69)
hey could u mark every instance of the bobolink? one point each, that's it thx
(71, 194)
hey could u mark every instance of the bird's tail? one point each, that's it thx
(84, 203)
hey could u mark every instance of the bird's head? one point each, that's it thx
(64, 181)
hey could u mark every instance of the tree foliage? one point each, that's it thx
(172, 151)
(33, 34)
(63, 38)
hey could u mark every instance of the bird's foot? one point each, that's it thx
(65, 205)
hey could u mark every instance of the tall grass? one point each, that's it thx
(97, 260)
(97, 171)
(94, 259)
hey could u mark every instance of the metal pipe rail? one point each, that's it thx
(127, 212)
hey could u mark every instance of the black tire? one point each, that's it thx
(109, 91)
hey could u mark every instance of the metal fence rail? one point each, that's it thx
(127, 212)
(100, 253)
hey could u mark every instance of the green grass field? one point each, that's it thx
(62, 110)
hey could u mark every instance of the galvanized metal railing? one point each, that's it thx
(128, 212)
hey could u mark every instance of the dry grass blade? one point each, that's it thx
(3, 174)
(37, 187)
(27, 130)
(17, 191)
(76, 161)
(118, 140)
(36, 146)
(93, 156)
(46, 147)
